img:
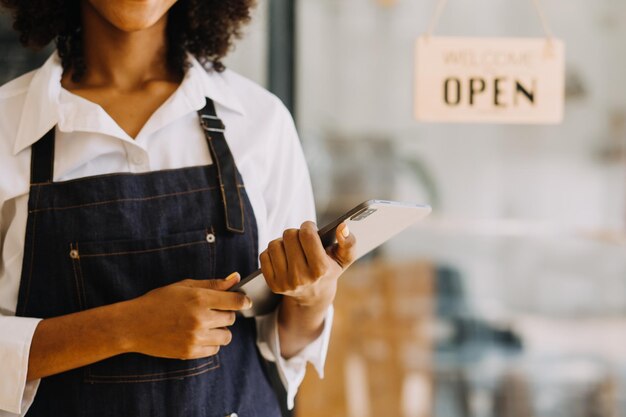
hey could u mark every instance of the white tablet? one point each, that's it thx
(372, 223)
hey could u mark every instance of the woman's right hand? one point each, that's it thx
(184, 320)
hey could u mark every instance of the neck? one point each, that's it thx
(119, 59)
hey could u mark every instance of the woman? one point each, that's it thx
(123, 163)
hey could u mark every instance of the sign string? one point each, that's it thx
(441, 5)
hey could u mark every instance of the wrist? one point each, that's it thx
(122, 332)
(318, 295)
(306, 313)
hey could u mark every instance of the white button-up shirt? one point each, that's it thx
(260, 134)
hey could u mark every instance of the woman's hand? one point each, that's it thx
(185, 320)
(299, 267)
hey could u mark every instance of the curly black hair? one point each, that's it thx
(204, 28)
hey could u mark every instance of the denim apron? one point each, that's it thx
(103, 239)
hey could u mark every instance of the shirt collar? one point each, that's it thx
(42, 110)
(209, 83)
(39, 112)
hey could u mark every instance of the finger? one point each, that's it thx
(296, 260)
(202, 352)
(276, 251)
(216, 319)
(213, 284)
(268, 270)
(226, 300)
(344, 251)
(226, 283)
(216, 337)
(313, 249)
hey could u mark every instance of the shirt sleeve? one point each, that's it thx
(292, 370)
(289, 201)
(287, 192)
(16, 395)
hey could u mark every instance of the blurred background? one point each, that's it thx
(510, 301)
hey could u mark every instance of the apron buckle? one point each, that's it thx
(212, 123)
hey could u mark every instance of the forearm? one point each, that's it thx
(184, 320)
(63, 343)
(300, 323)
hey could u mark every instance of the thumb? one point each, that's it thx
(214, 284)
(344, 251)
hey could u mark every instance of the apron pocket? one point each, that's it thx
(113, 271)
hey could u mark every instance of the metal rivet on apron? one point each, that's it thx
(210, 237)
(74, 254)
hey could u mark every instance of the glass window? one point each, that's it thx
(511, 299)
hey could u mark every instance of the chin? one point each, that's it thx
(132, 15)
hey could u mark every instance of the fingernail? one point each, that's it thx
(232, 276)
(248, 304)
(345, 232)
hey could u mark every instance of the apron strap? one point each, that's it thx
(42, 159)
(42, 165)
(226, 168)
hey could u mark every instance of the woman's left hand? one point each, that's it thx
(299, 267)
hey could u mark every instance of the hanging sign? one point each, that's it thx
(497, 80)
